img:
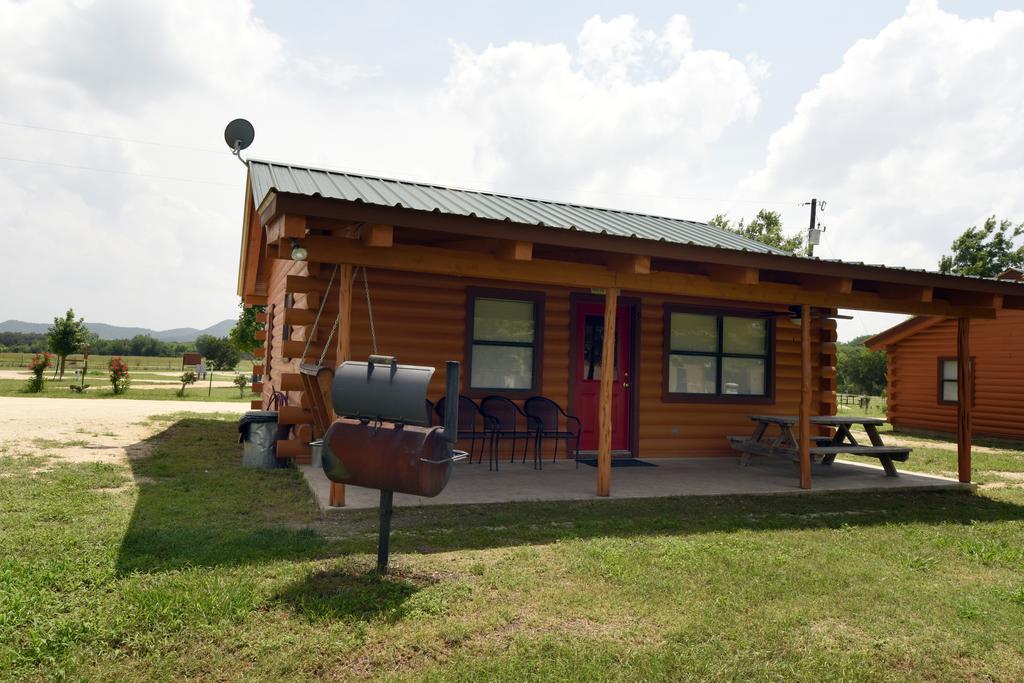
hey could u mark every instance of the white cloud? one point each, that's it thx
(629, 111)
(625, 108)
(134, 249)
(916, 136)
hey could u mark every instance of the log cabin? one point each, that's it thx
(703, 326)
(922, 386)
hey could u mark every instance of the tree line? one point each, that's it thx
(69, 335)
(139, 345)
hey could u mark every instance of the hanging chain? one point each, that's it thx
(369, 310)
(337, 320)
(323, 302)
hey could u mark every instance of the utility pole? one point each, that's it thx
(813, 233)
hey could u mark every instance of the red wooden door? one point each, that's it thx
(589, 338)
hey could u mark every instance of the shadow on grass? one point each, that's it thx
(345, 595)
(198, 507)
(443, 529)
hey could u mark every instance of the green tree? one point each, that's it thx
(765, 227)
(860, 370)
(985, 251)
(243, 334)
(219, 353)
(65, 337)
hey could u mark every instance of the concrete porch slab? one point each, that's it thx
(472, 483)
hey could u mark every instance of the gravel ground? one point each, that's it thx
(76, 430)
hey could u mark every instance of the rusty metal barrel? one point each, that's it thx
(389, 457)
(382, 439)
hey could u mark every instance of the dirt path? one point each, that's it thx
(912, 442)
(81, 430)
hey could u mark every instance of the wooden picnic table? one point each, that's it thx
(825, 448)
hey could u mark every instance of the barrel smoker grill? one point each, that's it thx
(382, 438)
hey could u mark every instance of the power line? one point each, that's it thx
(117, 172)
(465, 186)
(113, 137)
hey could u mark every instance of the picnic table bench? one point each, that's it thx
(824, 449)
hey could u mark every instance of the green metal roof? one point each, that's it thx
(266, 176)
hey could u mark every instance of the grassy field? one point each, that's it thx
(98, 364)
(100, 389)
(206, 570)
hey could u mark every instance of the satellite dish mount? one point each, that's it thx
(238, 135)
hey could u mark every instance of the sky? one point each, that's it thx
(122, 201)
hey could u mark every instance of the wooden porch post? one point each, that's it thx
(805, 397)
(604, 420)
(964, 395)
(344, 351)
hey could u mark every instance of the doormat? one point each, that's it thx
(619, 462)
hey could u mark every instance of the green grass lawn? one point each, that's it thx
(210, 571)
(101, 389)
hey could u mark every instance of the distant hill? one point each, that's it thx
(104, 331)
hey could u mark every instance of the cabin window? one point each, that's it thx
(949, 388)
(504, 338)
(717, 355)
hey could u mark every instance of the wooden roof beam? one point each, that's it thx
(907, 292)
(378, 235)
(571, 274)
(469, 226)
(287, 225)
(736, 274)
(628, 263)
(975, 299)
(514, 250)
(823, 283)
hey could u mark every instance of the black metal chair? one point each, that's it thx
(472, 425)
(549, 418)
(508, 421)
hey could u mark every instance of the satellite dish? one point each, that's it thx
(239, 134)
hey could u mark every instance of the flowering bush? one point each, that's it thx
(38, 366)
(187, 377)
(118, 375)
(241, 381)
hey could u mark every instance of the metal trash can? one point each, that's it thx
(257, 432)
(317, 450)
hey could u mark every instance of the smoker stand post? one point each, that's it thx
(384, 537)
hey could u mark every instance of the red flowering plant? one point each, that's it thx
(118, 375)
(38, 366)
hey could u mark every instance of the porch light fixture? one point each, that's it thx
(795, 313)
(299, 252)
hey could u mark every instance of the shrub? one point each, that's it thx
(78, 388)
(241, 381)
(188, 377)
(38, 366)
(119, 379)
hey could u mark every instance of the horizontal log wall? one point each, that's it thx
(998, 353)
(421, 320)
